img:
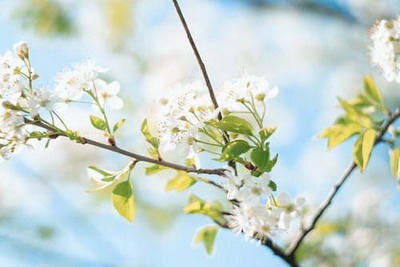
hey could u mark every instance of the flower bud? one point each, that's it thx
(35, 76)
(9, 105)
(260, 97)
(22, 50)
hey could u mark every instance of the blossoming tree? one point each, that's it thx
(224, 123)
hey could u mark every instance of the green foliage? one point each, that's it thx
(395, 162)
(356, 115)
(234, 149)
(101, 171)
(123, 201)
(372, 90)
(233, 124)
(118, 125)
(98, 123)
(363, 147)
(272, 185)
(118, 184)
(197, 205)
(260, 158)
(152, 140)
(340, 132)
(266, 133)
(46, 17)
(206, 235)
(180, 182)
(361, 118)
(153, 169)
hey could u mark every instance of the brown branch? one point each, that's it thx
(198, 57)
(116, 149)
(335, 189)
(203, 68)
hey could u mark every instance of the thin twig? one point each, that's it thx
(335, 189)
(198, 57)
(116, 149)
(203, 68)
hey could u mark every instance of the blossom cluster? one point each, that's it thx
(385, 49)
(182, 113)
(256, 212)
(22, 102)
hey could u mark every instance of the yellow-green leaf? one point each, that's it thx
(153, 169)
(206, 235)
(363, 147)
(355, 115)
(339, 133)
(123, 201)
(180, 182)
(154, 141)
(395, 162)
(198, 206)
(372, 90)
(98, 123)
(118, 125)
(233, 124)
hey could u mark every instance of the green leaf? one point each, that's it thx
(153, 169)
(101, 171)
(271, 163)
(106, 181)
(154, 141)
(266, 133)
(355, 115)
(206, 235)
(339, 133)
(118, 125)
(395, 162)
(198, 206)
(260, 157)
(272, 185)
(234, 149)
(123, 201)
(372, 90)
(98, 123)
(180, 182)
(363, 147)
(233, 124)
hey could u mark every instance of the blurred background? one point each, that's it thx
(313, 50)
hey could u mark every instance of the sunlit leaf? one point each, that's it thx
(339, 133)
(372, 90)
(153, 169)
(395, 162)
(98, 123)
(154, 141)
(180, 182)
(363, 147)
(198, 206)
(123, 201)
(233, 124)
(118, 125)
(206, 235)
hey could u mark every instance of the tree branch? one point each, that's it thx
(116, 149)
(202, 66)
(198, 57)
(335, 189)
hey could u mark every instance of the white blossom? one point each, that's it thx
(385, 49)
(107, 93)
(245, 87)
(72, 83)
